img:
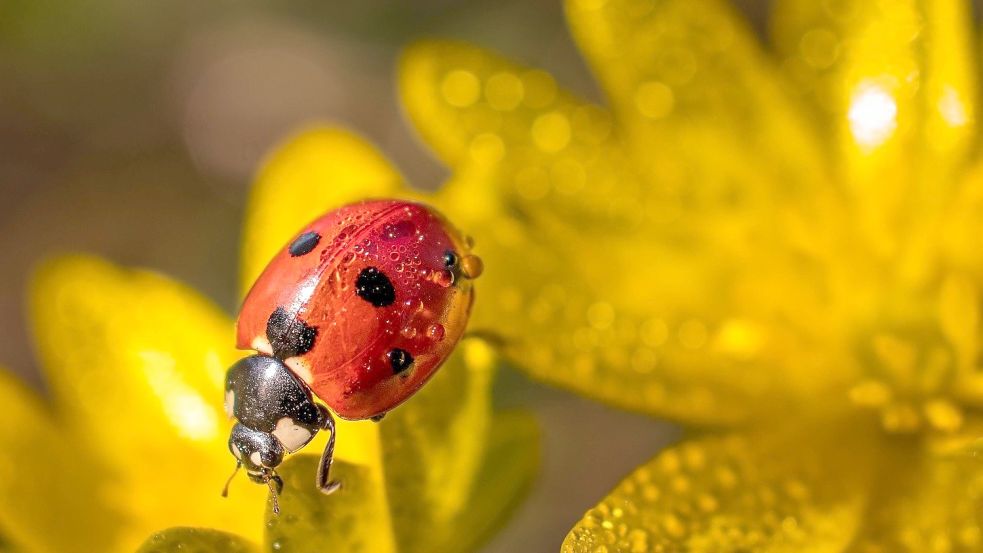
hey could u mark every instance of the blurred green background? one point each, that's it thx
(132, 129)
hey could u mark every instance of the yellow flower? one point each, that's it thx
(134, 439)
(781, 248)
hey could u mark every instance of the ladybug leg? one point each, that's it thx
(323, 469)
(275, 483)
(225, 489)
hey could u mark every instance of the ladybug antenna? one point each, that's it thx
(225, 489)
(274, 492)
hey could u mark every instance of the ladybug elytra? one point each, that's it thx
(359, 309)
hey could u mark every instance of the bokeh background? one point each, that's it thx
(132, 129)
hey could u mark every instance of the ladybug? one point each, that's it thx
(359, 310)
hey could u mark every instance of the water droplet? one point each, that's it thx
(460, 88)
(408, 332)
(471, 266)
(504, 91)
(654, 100)
(436, 332)
(551, 132)
(401, 229)
(443, 278)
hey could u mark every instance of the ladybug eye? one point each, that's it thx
(450, 259)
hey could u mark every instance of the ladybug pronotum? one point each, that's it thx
(358, 310)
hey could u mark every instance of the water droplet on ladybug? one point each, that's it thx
(395, 231)
(408, 332)
(443, 278)
(436, 332)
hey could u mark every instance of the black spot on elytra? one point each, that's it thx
(450, 259)
(289, 336)
(304, 243)
(399, 359)
(373, 286)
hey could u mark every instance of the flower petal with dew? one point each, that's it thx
(649, 314)
(706, 258)
(924, 501)
(735, 493)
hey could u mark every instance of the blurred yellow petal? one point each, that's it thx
(509, 469)
(924, 503)
(196, 540)
(962, 224)
(706, 115)
(316, 170)
(516, 141)
(435, 446)
(737, 493)
(47, 481)
(643, 336)
(898, 81)
(136, 363)
(354, 518)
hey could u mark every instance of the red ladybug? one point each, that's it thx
(360, 309)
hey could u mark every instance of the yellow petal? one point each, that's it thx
(195, 540)
(439, 448)
(433, 446)
(316, 170)
(737, 493)
(959, 308)
(48, 482)
(898, 81)
(507, 473)
(702, 106)
(523, 143)
(644, 310)
(353, 518)
(924, 503)
(136, 364)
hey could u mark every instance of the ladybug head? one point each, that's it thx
(275, 415)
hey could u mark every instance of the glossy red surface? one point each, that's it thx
(349, 366)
